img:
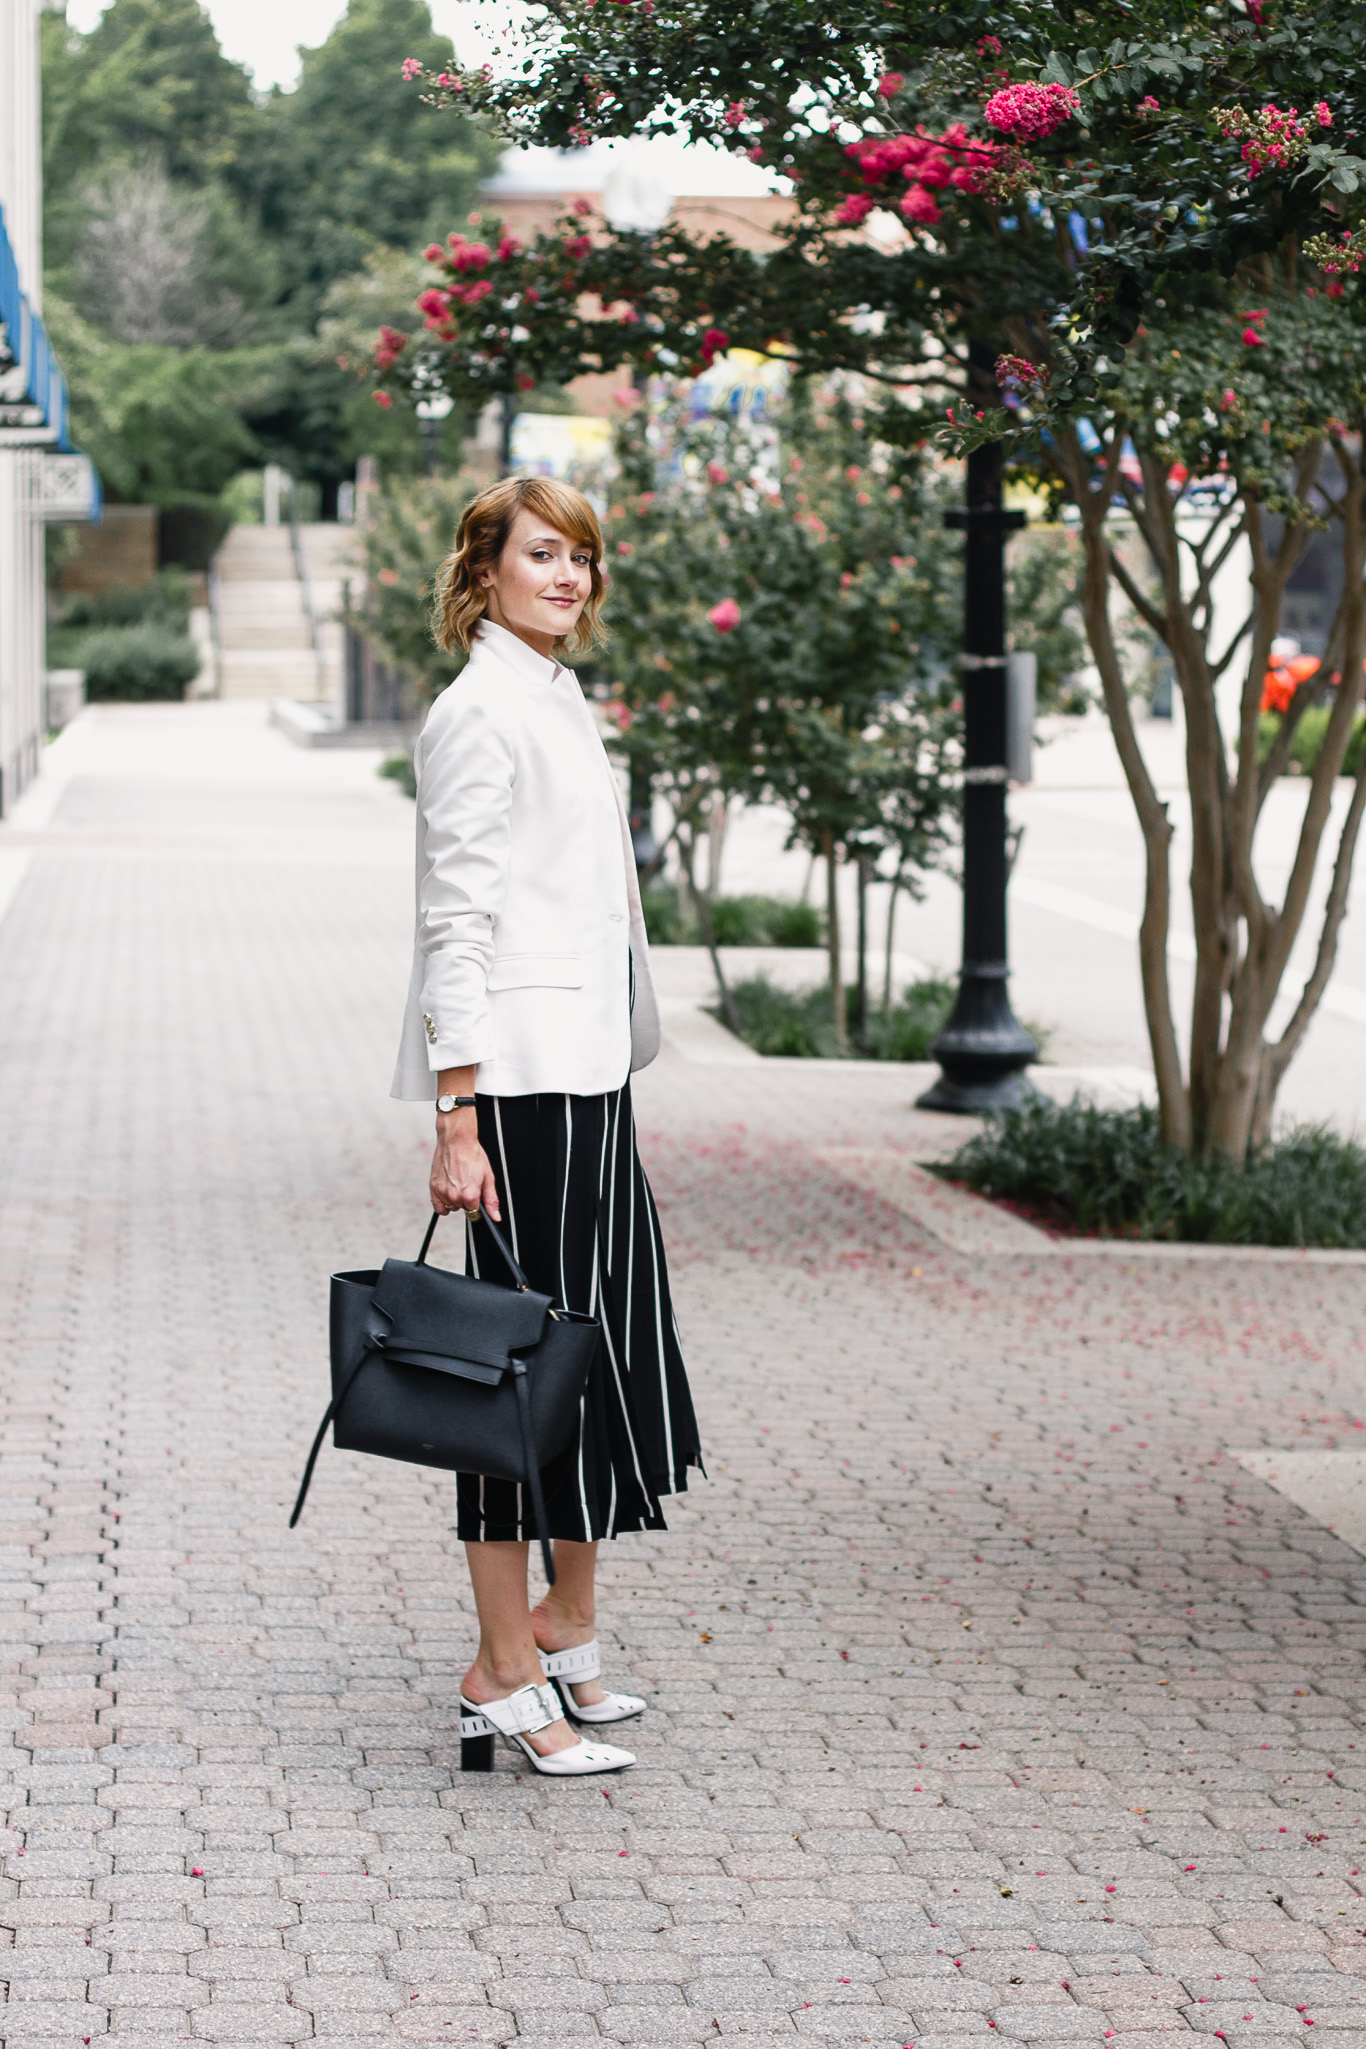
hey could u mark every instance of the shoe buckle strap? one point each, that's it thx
(475, 1725)
(584, 1661)
(524, 1712)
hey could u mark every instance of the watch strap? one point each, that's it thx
(450, 1102)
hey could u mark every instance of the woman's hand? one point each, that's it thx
(461, 1175)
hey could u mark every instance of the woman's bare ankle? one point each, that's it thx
(488, 1680)
(559, 1628)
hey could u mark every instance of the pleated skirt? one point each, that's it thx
(582, 1221)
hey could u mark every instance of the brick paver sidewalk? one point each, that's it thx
(988, 1697)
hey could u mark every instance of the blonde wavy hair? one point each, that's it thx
(461, 601)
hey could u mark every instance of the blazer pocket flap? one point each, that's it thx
(536, 971)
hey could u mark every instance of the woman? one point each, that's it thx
(530, 1003)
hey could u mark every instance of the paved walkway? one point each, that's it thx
(989, 1695)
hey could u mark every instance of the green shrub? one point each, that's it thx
(1308, 740)
(399, 769)
(1107, 1173)
(138, 662)
(166, 599)
(736, 920)
(796, 1022)
(904, 1032)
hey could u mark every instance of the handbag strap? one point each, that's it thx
(499, 1240)
(532, 1465)
(333, 1406)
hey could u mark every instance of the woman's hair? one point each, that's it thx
(480, 538)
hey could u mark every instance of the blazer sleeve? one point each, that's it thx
(464, 801)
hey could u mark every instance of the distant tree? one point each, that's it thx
(783, 611)
(353, 165)
(151, 261)
(160, 423)
(148, 81)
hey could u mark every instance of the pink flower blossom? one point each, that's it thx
(1149, 107)
(412, 67)
(526, 383)
(470, 255)
(451, 82)
(756, 153)
(1228, 401)
(1323, 114)
(846, 578)
(715, 342)
(725, 617)
(382, 398)
(1253, 339)
(582, 207)
(1031, 111)
(890, 84)
(625, 548)
(433, 253)
(989, 46)
(717, 473)
(577, 246)
(1018, 370)
(508, 248)
(734, 114)
(854, 209)
(919, 206)
(433, 303)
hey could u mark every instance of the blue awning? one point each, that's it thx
(32, 387)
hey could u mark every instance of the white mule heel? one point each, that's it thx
(520, 1715)
(567, 1669)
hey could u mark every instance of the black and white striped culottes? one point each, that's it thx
(561, 1162)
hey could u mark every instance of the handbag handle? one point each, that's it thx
(499, 1240)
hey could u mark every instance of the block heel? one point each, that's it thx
(476, 1753)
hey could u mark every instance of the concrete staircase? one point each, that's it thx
(265, 636)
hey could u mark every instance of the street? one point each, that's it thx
(989, 1694)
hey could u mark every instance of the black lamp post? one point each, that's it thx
(983, 1050)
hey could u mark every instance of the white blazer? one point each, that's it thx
(529, 923)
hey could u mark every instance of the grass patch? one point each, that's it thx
(795, 1023)
(736, 920)
(1107, 1173)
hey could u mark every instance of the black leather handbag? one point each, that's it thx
(441, 1369)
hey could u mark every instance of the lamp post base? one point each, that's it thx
(982, 1051)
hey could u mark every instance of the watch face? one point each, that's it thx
(444, 1103)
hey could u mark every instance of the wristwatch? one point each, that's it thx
(447, 1103)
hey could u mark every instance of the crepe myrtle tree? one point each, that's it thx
(783, 619)
(1104, 198)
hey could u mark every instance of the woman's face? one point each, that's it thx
(541, 584)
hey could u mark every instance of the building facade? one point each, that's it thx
(41, 478)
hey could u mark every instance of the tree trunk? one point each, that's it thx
(1156, 827)
(832, 940)
(703, 911)
(892, 895)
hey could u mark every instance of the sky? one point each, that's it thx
(265, 35)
